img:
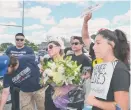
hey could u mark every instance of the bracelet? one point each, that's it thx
(117, 106)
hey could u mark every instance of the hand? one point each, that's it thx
(58, 92)
(87, 17)
(91, 100)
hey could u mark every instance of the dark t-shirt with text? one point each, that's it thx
(26, 77)
(19, 52)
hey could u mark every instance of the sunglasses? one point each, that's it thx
(19, 39)
(51, 46)
(75, 43)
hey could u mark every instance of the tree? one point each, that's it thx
(4, 46)
(31, 44)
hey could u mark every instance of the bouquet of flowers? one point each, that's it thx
(61, 72)
(64, 73)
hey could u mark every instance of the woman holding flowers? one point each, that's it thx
(55, 52)
(62, 75)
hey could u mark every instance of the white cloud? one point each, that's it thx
(66, 26)
(8, 23)
(122, 22)
(37, 12)
(37, 37)
(49, 20)
(59, 2)
(3, 26)
(41, 13)
(10, 9)
(125, 29)
(122, 19)
(96, 24)
(70, 22)
(2, 29)
(34, 27)
(13, 9)
(7, 38)
(73, 26)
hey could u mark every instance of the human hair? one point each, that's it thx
(67, 49)
(19, 34)
(121, 47)
(13, 61)
(78, 38)
(57, 44)
(93, 36)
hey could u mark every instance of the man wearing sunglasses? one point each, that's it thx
(18, 50)
(77, 47)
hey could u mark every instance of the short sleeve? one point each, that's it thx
(6, 81)
(121, 79)
(7, 52)
(30, 51)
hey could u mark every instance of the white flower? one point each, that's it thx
(52, 65)
(61, 69)
(45, 79)
(76, 73)
(48, 72)
(69, 64)
(58, 77)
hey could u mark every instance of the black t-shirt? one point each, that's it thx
(26, 77)
(91, 51)
(120, 82)
(84, 60)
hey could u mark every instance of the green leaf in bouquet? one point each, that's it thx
(41, 82)
(60, 84)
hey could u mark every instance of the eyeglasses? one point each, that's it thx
(75, 43)
(51, 46)
(20, 40)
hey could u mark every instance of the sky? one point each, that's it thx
(60, 18)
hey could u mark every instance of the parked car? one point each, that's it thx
(42, 52)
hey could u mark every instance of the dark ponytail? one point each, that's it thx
(122, 49)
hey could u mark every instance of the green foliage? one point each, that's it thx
(31, 44)
(4, 46)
